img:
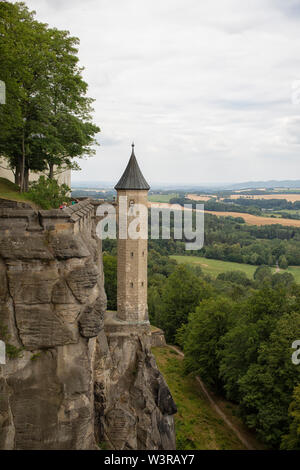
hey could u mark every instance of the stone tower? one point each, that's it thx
(132, 253)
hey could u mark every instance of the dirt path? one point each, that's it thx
(225, 418)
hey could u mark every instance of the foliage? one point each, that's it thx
(236, 330)
(243, 348)
(47, 193)
(197, 424)
(110, 277)
(181, 293)
(282, 262)
(46, 120)
(238, 277)
(11, 351)
(228, 240)
(202, 337)
(291, 441)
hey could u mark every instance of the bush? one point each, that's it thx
(48, 194)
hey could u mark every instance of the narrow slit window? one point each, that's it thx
(131, 284)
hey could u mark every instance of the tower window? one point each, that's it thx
(131, 284)
(131, 254)
(143, 253)
(142, 284)
(131, 204)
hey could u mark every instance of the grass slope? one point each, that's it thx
(197, 425)
(9, 190)
(213, 267)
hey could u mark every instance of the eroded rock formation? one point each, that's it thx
(74, 376)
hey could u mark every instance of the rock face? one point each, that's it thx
(73, 377)
(133, 404)
(158, 338)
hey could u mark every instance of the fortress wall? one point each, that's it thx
(77, 376)
(64, 177)
(52, 304)
(73, 219)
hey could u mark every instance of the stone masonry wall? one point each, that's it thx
(51, 309)
(72, 379)
(132, 266)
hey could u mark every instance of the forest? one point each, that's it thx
(230, 239)
(236, 332)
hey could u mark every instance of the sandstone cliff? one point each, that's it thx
(75, 376)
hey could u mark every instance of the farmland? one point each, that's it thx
(288, 197)
(292, 197)
(249, 218)
(258, 220)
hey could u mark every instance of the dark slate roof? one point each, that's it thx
(132, 177)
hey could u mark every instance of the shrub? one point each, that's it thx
(47, 193)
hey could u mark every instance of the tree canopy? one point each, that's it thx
(46, 120)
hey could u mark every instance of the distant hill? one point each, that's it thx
(287, 184)
(271, 184)
(264, 184)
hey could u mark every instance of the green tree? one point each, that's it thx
(46, 120)
(181, 294)
(110, 280)
(255, 319)
(267, 387)
(238, 277)
(282, 262)
(262, 274)
(202, 337)
(291, 441)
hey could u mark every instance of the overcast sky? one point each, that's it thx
(208, 90)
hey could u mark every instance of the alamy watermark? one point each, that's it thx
(2, 352)
(296, 354)
(2, 93)
(130, 220)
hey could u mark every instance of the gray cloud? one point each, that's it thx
(203, 88)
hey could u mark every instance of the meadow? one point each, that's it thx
(162, 197)
(214, 267)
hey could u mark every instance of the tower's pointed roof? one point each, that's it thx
(132, 177)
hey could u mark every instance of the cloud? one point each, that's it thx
(289, 7)
(203, 88)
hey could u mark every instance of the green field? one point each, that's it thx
(197, 424)
(289, 211)
(9, 190)
(213, 267)
(161, 197)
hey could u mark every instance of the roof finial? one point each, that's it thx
(132, 145)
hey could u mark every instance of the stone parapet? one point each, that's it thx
(20, 216)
